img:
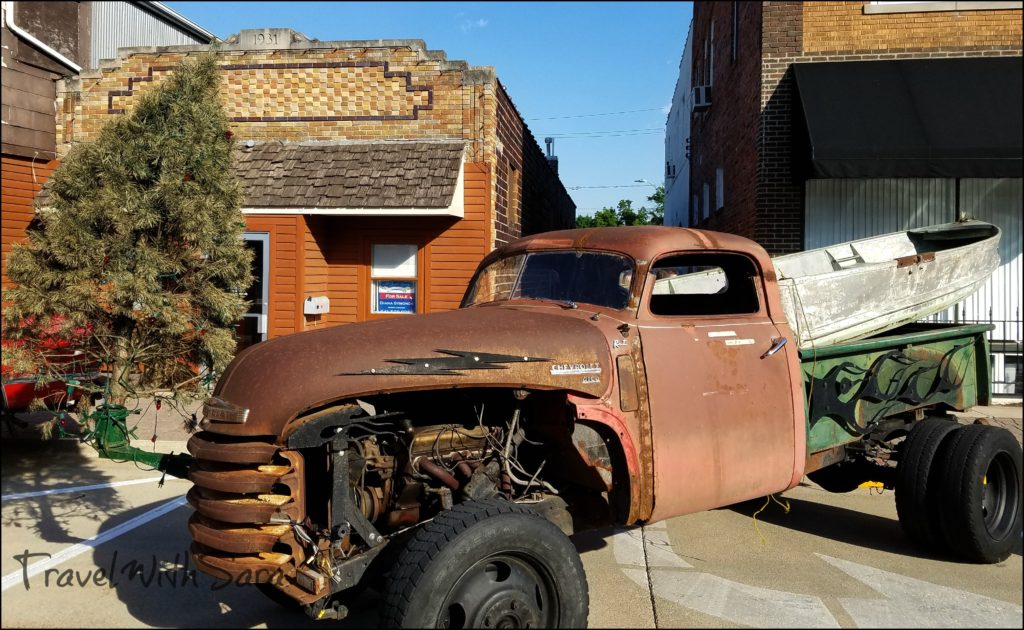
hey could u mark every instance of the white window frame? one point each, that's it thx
(399, 276)
(719, 188)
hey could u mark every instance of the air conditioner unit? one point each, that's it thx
(701, 97)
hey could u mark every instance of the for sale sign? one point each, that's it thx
(396, 296)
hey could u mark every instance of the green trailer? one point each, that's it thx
(878, 411)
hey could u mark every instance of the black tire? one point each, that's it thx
(917, 482)
(844, 476)
(981, 492)
(487, 563)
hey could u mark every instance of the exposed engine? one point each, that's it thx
(350, 478)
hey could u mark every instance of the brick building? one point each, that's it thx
(44, 42)
(376, 173)
(820, 122)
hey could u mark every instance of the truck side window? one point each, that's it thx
(704, 284)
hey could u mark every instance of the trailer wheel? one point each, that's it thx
(917, 482)
(981, 490)
(485, 564)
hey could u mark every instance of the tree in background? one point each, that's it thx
(138, 260)
(625, 214)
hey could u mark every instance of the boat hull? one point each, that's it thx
(854, 290)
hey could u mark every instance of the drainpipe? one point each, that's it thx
(9, 22)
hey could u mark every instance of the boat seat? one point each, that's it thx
(844, 256)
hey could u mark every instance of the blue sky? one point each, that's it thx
(557, 60)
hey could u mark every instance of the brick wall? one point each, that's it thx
(841, 31)
(779, 225)
(384, 92)
(843, 27)
(529, 196)
(725, 135)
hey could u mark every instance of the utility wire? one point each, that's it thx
(610, 135)
(619, 186)
(628, 111)
(567, 134)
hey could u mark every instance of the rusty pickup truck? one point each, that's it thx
(608, 376)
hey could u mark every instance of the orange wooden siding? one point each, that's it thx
(285, 282)
(455, 254)
(337, 257)
(320, 255)
(21, 178)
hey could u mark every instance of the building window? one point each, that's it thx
(707, 201)
(694, 209)
(735, 28)
(911, 6)
(393, 279)
(719, 188)
(711, 59)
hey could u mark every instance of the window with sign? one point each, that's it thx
(393, 278)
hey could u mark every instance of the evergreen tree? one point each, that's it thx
(138, 260)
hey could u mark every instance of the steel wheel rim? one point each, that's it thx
(504, 590)
(998, 504)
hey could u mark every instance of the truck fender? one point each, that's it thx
(596, 412)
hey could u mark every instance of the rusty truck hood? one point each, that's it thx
(485, 346)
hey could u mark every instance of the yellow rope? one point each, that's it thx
(771, 497)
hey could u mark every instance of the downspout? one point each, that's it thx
(9, 23)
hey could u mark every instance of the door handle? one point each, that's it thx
(776, 346)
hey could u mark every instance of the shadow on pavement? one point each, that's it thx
(33, 465)
(160, 586)
(593, 539)
(836, 523)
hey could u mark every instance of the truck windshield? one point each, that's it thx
(596, 278)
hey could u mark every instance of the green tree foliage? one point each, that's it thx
(625, 214)
(138, 259)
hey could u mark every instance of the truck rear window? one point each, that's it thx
(596, 278)
(704, 284)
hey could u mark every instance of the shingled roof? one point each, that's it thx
(349, 174)
(344, 174)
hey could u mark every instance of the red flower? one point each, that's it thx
(228, 134)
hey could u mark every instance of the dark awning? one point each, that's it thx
(910, 118)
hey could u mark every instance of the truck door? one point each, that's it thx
(722, 415)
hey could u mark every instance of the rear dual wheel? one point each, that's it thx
(918, 499)
(958, 489)
(981, 492)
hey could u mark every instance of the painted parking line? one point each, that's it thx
(646, 557)
(98, 486)
(906, 602)
(24, 574)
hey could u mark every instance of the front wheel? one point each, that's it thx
(487, 564)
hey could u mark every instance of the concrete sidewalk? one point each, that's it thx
(1005, 416)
